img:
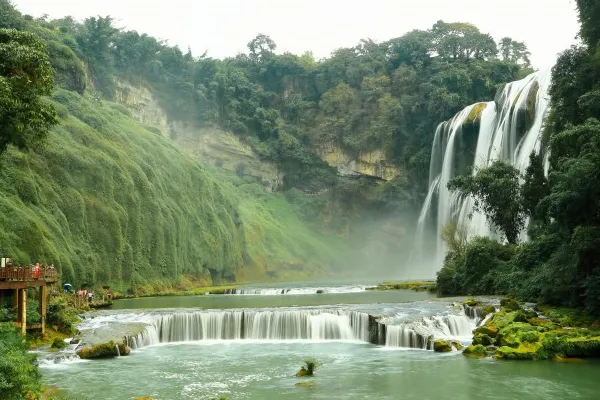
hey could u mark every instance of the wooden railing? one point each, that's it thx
(28, 274)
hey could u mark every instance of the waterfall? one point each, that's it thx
(406, 327)
(508, 128)
(296, 291)
(261, 325)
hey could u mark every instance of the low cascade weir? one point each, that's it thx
(401, 325)
(262, 325)
(296, 291)
(508, 129)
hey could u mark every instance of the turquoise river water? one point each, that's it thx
(192, 353)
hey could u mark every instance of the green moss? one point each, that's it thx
(306, 384)
(475, 351)
(482, 338)
(510, 304)
(457, 345)
(475, 114)
(58, 343)
(441, 346)
(104, 350)
(489, 330)
(486, 310)
(520, 353)
(417, 286)
(105, 191)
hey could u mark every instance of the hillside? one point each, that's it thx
(109, 201)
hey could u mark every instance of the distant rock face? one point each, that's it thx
(210, 144)
(373, 163)
(143, 106)
(225, 150)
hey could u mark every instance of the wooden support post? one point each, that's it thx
(42, 300)
(17, 303)
(2, 298)
(23, 302)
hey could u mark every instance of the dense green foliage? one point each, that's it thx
(110, 202)
(560, 264)
(19, 375)
(25, 76)
(496, 192)
(387, 96)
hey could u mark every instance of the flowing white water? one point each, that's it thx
(508, 129)
(404, 328)
(296, 291)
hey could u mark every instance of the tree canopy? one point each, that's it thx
(25, 76)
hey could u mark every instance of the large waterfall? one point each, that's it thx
(508, 128)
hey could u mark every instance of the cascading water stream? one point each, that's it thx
(293, 325)
(508, 129)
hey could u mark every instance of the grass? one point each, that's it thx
(418, 286)
(109, 202)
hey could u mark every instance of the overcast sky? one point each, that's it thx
(224, 27)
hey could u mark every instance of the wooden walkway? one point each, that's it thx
(16, 280)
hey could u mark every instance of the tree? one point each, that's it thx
(496, 193)
(261, 46)
(535, 186)
(25, 76)
(514, 52)
(10, 18)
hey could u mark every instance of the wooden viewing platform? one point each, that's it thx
(16, 281)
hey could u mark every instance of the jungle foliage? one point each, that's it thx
(560, 263)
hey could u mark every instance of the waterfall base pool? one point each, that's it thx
(259, 370)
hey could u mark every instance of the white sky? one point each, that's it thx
(224, 27)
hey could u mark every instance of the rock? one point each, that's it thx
(489, 309)
(104, 350)
(524, 315)
(320, 291)
(457, 345)
(482, 338)
(302, 372)
(75, 341)
(471, 303)
(441, 346)
(476, 351)
(510, 304)
(520, 353)
(58, 344)
(305, 384)
(488, 330)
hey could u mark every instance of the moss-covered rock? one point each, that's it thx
(58, 343)
(305, 384)
(457, 345)
(475, 351)
(472, 303)
(573, 344)
(482, 338)
(489, 330)
(520, 353)
(524, 315)
(486, 310)
(302, 372)
(510, 304)
(104, 350)
(441, 346)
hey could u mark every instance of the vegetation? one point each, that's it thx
(104, 350)
(558, 265)
(417, 286)
(19, 376)
(308, 368)
(25, 76)
(514, 333)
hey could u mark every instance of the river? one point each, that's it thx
(260, 363)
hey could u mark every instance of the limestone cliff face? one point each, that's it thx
(143, 106)
(224, 149)
(211, 145)
(372, 163)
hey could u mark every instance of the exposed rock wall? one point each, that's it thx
(373, 163)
